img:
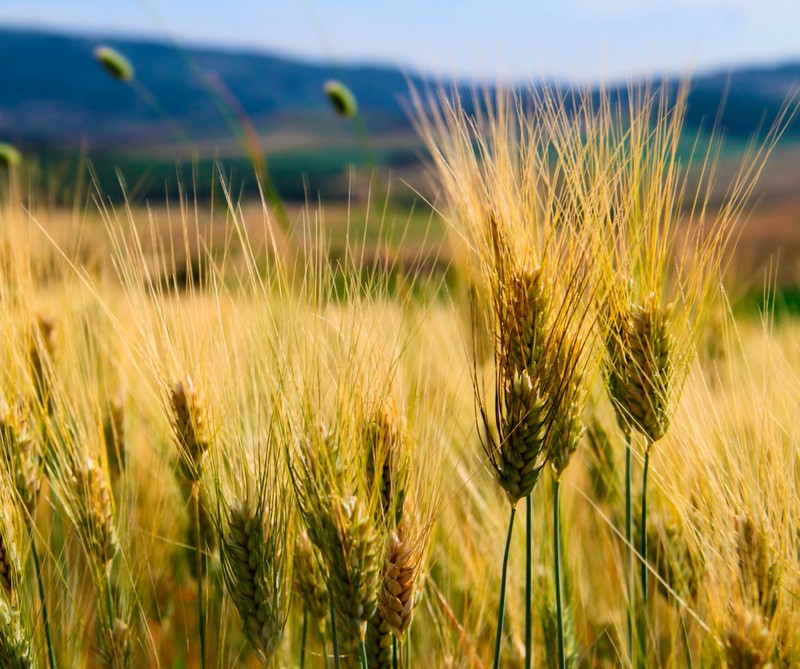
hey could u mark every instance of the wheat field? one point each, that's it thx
(545, 442)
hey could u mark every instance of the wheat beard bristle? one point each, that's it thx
(253, 578)
(15, 646)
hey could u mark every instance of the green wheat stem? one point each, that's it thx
(562, 660)
(303, 640)
(364, 661)
(324, 641)
(201, 606)
(629, 541)
(336, 660)
(501, 608)
(643, 552)
(686, 643)
(394, 652)
(45, 619)
(109, 600)
(529, 581)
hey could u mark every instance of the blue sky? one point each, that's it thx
(582, 40)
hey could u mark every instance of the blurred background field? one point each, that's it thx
(80, 130)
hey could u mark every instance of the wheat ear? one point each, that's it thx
(252, 563)
(15, 641)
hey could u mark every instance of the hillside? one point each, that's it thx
(54, 99)
(53, 91)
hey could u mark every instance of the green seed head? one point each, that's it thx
(114, 63)
(9, 155)
(341, 98)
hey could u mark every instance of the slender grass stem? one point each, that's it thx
(629, 543)
(324, 641)
(303, 641)
(562, 660)
(45, 619)
(336, 658)
(686, 643)
(364, 660)
(394, 652)
(502, 606)
(643, 552)
(109, 600)
(529, 581)
(200, 567)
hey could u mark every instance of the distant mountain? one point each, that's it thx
(52, 91)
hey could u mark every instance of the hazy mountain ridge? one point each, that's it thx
(52, 91)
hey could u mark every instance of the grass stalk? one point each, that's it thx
(334, 635)
(502, 605)
(303, 641)
(364, 660)
(324, 641)
(528, 581)
(109, 601)
(686, 643)
(643, 552)
(200, 564)
(394, 652)
(562, 660)
(629, 543)
(45, 619)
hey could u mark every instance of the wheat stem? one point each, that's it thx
(643, 552)
(501, 608)
(364, 661)
(336, 659)
(528, 582)
(629, 541)
(686, 642)
(303, 641)
(324, 641)
(201, 607)
(109, 602)
(394, 652)
(45, 619)
(562, 660)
